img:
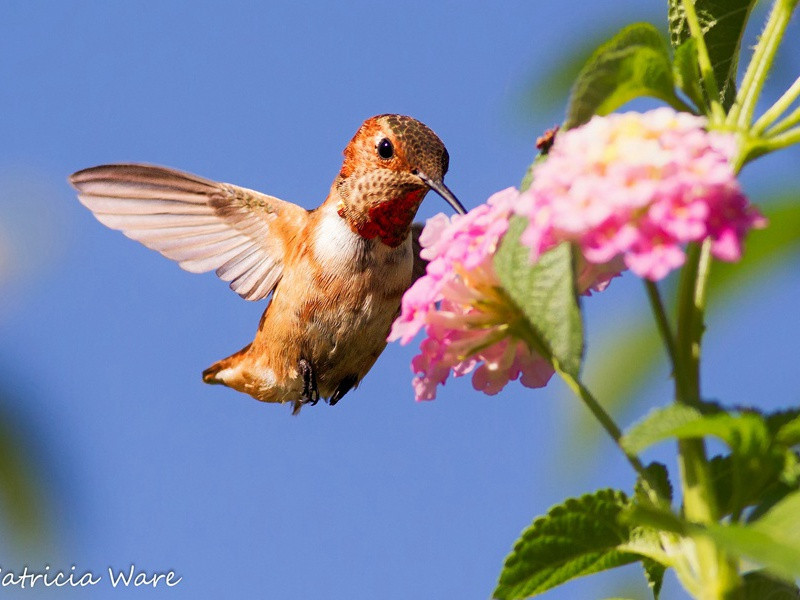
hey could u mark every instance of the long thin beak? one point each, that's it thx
(438, 186)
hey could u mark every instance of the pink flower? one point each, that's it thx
(463, 309)
(639, 187)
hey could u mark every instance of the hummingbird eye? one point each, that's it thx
(385, 149)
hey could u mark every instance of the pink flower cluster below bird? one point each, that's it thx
(469, 331)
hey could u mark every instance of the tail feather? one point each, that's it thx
(210, 375)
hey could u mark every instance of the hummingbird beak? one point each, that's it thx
(438, 186)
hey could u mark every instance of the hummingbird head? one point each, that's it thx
(389, 166)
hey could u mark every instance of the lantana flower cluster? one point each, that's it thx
(640, 187)
(629, 190)
(462, 308)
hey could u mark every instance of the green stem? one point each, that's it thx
(780, 141)
(776, 110)
(718, 574)
(601, 415)
(660, 313)
(789, 121)
(684, 338)
(706, 69)
(697, 326)
(742, 111)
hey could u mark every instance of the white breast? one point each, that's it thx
(339, 248)
(334, 242)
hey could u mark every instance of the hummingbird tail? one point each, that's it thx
(214, 375)
(210, 374)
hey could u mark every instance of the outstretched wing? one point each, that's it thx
(203, 225)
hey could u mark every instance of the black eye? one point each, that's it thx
(385, 149)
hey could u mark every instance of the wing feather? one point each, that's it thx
(203, 225)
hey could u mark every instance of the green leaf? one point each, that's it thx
(745, 433)
(527, 179)
(762, 468)
(633, 63)
(654, 573)
(659, 425)
(686, 72)
(769, 497)
(545, 94)
(739, 483)
(658, 478)
(656, 518)
(759, 585)
(580, 537)
(545, 294)
(723, 23)
(773, 541)
(789, 433)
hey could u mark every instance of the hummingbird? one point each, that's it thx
(336, 274)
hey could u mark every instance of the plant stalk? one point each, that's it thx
(717, 573)
(664, 328)
(741, 114)
(603, 417)
(704, 62)
(776, 110)
(786, 123)
(781, 141)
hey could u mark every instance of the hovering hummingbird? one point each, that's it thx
(336, 273)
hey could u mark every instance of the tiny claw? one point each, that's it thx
(310, 394)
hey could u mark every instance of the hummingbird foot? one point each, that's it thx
(345, 385)
(310, 393)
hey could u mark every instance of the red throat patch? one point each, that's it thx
(390, 221)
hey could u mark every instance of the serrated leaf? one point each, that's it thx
(723, 23)
(658, 425)
(789, 433)
(657, 478)
(769, 498)
(527, 179)
(741, 483)
(686, 72)
(545, 294)
(773, 541)
(759, 585)
(633, 63)
(654, 573)
(576, 538)
(745, 433)
(656, 518)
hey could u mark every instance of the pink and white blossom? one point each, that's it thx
(628, 190)
(462, 308)
(640, 187)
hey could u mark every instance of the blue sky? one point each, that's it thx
(102, 341)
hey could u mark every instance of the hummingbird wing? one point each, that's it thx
(201, 224)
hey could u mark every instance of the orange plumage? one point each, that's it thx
(336, 273)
